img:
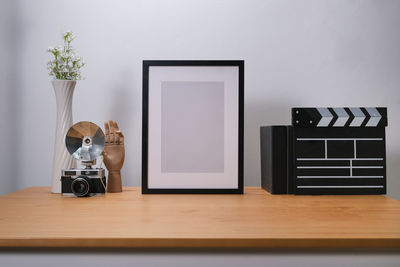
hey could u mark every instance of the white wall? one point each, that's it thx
(297, 53)
(9, 145)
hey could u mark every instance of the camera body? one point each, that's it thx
(83, 182)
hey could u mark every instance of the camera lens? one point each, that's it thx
(81, 186)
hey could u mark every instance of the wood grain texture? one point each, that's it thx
(36, 218)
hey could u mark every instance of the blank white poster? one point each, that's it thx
(192, 127)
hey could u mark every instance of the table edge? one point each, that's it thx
(328, 243)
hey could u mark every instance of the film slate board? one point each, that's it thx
(339, 150)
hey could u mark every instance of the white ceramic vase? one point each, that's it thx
(64, 90)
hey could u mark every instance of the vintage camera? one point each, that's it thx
(83, 183)
(85, 142)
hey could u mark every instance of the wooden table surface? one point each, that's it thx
(36, 218)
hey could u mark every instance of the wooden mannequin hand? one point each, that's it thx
(114, 156)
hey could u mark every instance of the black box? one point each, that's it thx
(276, 159)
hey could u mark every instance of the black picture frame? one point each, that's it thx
(145, 124)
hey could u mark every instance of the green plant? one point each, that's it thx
(66, 65)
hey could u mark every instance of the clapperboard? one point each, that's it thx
(326, 151)
(339, 150)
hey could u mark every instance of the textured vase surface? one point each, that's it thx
(64, 91)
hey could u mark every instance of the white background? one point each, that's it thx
(297, 53)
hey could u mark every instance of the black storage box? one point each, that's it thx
(276, 159)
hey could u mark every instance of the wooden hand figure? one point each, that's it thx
(114, 156)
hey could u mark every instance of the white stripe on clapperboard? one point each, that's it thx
(326, 117)
(375, 117)
(351, 167)
(359, 117)
(343, 117)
